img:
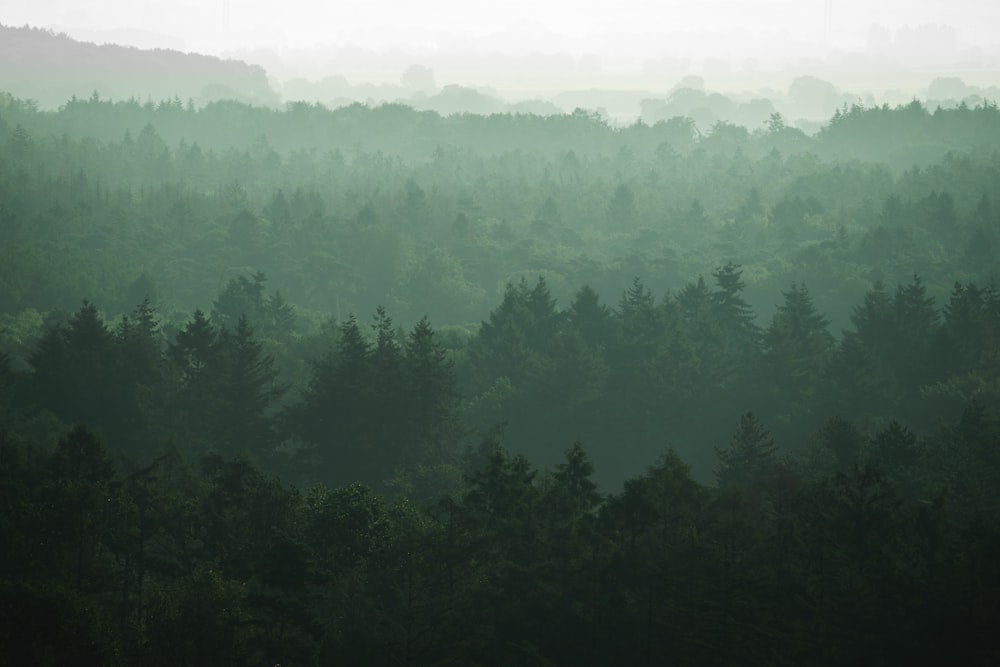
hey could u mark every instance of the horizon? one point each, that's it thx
(520, 49)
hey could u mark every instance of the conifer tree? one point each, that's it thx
(749, 454)
(797, 351)
(590, 317)
(250, 389)
(432, 394)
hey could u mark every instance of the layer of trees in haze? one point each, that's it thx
(373, 385)
(348, 209)
(50, 68)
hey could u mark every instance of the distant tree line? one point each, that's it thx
(346, 229)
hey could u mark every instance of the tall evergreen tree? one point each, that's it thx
(432, 395)
(251, 392)
(843, 440)
(138, 383)
(336, 415)
(738, 354)
(193, 348)
(749, 454)
(797, 351)
(590, 317)
(73, 369)
(242, 296)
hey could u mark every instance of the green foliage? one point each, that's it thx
(169, 539)
(749, 455)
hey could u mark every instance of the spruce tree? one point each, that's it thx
(749, 454)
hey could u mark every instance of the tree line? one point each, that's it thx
(394, 409)
(143, 212)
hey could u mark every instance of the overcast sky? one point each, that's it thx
(220, 24)
(622, 34)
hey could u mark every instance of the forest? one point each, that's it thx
(373, 385)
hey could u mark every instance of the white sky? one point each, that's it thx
(201, 24)
(620, 34)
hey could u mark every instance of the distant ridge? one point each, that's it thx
(51, 68)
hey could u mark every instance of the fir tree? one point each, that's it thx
(749, 454)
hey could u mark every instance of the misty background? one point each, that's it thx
(627, 60)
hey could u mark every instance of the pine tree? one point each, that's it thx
(896, 446)
(242, 296)
(797, 350)
(193, 348)
(514, 342)
(749, 454)
(250, 392)
(641, 322)
(336, 415)
(573, 484)
(192, 412)
(139, 375)
(739, 339)
(591, 318)
(73, 369)
(841, 438)
(432, 395)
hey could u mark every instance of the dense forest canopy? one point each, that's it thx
(432, 215)
(377, 385)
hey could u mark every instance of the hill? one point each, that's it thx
(51, 68)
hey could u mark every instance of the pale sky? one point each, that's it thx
(214, 25)
(629, 33)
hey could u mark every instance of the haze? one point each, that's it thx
(553, 45)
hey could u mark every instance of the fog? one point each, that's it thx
(522, 49)
(498, 334)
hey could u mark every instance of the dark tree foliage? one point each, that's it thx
(843, 440)
(797, 352)
(749, 454)
(383, 412)
(142, 520)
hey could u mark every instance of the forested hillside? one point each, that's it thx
(51, 68)
(377, 386)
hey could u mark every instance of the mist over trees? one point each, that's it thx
(382, 385)
(51, 68)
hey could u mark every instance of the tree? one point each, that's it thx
(198, 393)
(251, 389)
(861, 376)
(336, 415)
(750, 453)
(573, 487)
(138, 375)
(797, 349)
(843, 440)
(514, 342)
(192, 351)
(592, 319)
(242, 297)
(73, 367)
(734, 311)
(736, 355)
(916, 322)
(81, 504)
(621, 208)
(432, 395)
(7, 384)
(895, 446)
